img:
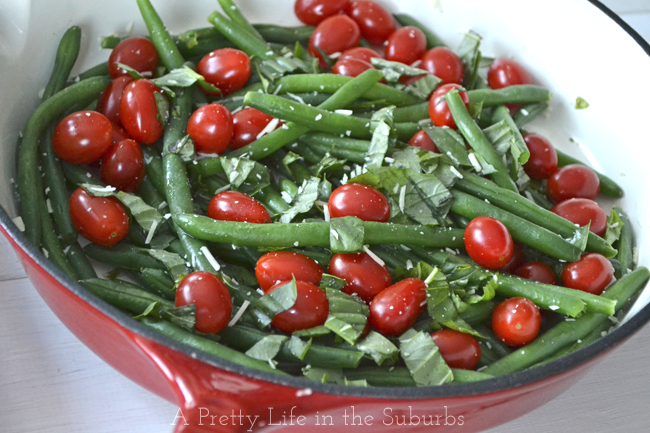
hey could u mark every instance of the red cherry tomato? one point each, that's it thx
(361, 201)
(365, 277)
(334, 35)
(444, 64)
(226, 68)
(375, 22)
(405, 45)
(543, 158)
(360, 53)
(246, 126)
(350, 67)
(212, 300)
(139, 112)
(506, 72)
(109, 101)
(311, 308)
(591, 274)
(518, 258)
(537, 271)
(438, 108)
(138, 53)
(582, 211)
(458, 349)
(211, 129)
(395, 309)
(422, 140)
(101, 220)
(312, 12)
(119, 133)
(516, 321)
(283, 266)
(82, 137)
(123, 165)
(573, 181)
(236, 206)
(488, 242)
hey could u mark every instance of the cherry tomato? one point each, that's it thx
(361, 201)
(537, 271)
(459, 350)
(139, 111)
(226, 68)
(119, 133)
(334, 35)
(212, 300)
(375, 22)
(444, 64)
(543, 158)
(283, 266)
(350, 67)
(582, 211)
(438, 108)
(101, 220)
(488, 242)
(246, 126)
(422, 140)
(573, 181)
(211, 129)
(591, 274)
(109, 101)
(506, 72)
(312, 12)
(82, 137)
(516, 321)
(123, 165)
(405, 45)
(311, 308)
(360, 53)
(395, 309)
(365, 277)
(138, 53)
(236, 206)
(518, 258)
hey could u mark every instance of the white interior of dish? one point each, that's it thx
(569, 46)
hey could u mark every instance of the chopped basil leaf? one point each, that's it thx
(304, 201)
(451, 144)
(423, 359)
(581, 104)
(278, 300)
(172, 261)
(346, 234)
(614, 226)
(298, 347)
(471, 57)
(162, 107)
(267, 348)
(331, 282)
(185, 77)
(182, 316)
(348, 315)
(379, 348)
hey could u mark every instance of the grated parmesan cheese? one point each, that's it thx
(208, 255)
(239, 313)
(373, 256)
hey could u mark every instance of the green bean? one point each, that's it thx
(272, 200)
(518, 94)
(169, 54)
(337, 152)
(435, 237)
(100, 70)
(160, 281)
(236, 16)
(432, 39)
(411, 113)
(78, 175)
(608, 187)
(381, 376)
(66, 56)
(124, 295)
(150, 194)
(502, 113)
(123, 255)
(595, 335)
(284, 35)
(308, 154)
(240, 36)
(52, 246)
(289, 187)
(495, 344)
(477, 313)
(568, 332)
(46, 113)
(202, 46)
(153, 168)
(79, 262)
(325, 139)
(528, 113)
(467, 376)
(625, 243)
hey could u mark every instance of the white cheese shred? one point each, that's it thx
(268, 128)
(152, 230)
(208, 255)
(475, 163)
(456, 172)
(239, 313)
(326, 212)
(373, 256)
(402, 198)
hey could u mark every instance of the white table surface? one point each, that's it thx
(51, 383)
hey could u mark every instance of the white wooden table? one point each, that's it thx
(51, 383)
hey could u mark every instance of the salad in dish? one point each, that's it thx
(350, 201)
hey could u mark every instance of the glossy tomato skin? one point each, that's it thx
(573, 181)
(518, 258)
(246, 126)
(365, 277)
(236, 206)
(334, 35)
(396, 309)
(350, 67)
(422, 140)
(139, 112)
(591, 274)
(444, 64)
(537, 271)
(101, 220)
(438, 108)
(123, 166)
(361, 201)
(283, 266)
(543, 157)
(212, 300)
(458, 349)
(109, 101)
(311, 308)
(313, 12)
(516, 321)
(227, 69)
(360, 53)
(582, 211)
(375, 22)
(488, 242)
(136, 52)
(211, 129)
(119, 133)
(82, 137)
(507, 72)
(405, 45)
